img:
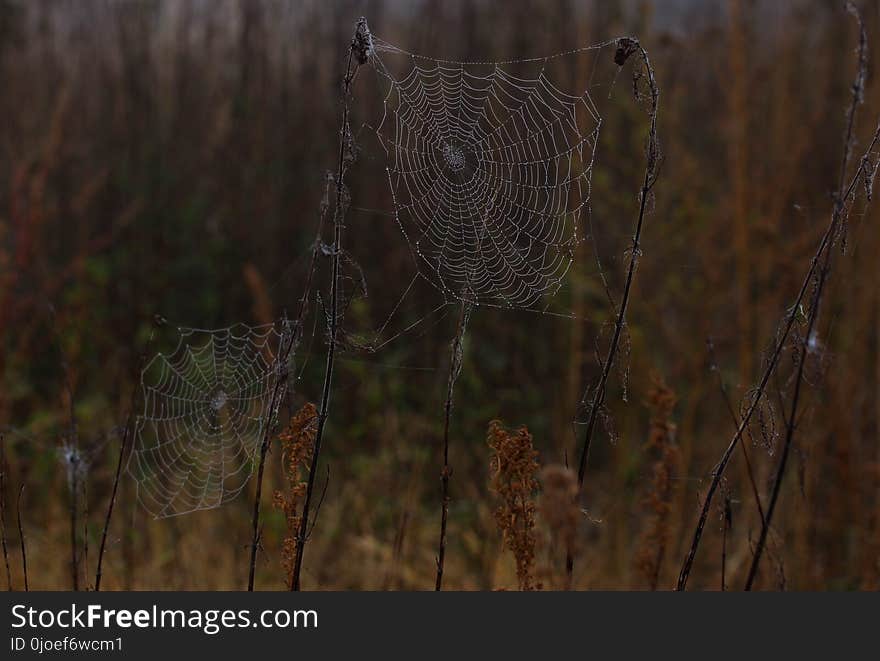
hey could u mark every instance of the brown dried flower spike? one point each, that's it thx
(513, 467)
(297, 444)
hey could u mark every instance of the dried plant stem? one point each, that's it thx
(825, 244)
(725, 457)
(122, 448)
(287, 344)
(289, 339)
(287, 349)
(393, 573)
(789, 433)
(838, 213)
(726, 396)
(277, 391)
(650, 178)
(84, 557)
(759, 392)
(333, 322)
(127, 433)
(74, 559)
(72, 458)
(3, 511)
(21, 539)
(455, 360)
(726, 523)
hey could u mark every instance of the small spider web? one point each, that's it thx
(489, 166)
(206, 409)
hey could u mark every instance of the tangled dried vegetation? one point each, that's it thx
(297, 445)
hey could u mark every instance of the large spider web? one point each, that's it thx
(489, 165)
(206, 408)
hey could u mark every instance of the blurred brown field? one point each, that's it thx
(168, 158)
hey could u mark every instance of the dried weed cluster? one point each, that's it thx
(513, 467)
(297, 445)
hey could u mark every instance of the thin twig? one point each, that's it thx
(826, 243)
(838, 212)
(759, 391)
(726, 397)
(287, 350)
(360, 37)
(3, 511)
(625, 47)
(84, 558)
(726, 525)
(127, 433)
(21, 539)
(274, 402)
(455, 361)
(320, 502)
(71, 458)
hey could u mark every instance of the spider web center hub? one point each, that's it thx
(455, 157)
(218, 401)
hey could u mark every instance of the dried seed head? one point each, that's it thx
(513, 467)
(297, 444)
(626, 46)
(362, 46)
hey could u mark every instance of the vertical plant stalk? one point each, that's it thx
(73, 472)
(726, 396)
(21, 539)
(127, 433)
(456, 357)
(825, 244)
(74, 506)
(359, 48)
(3, 511)
(122, 448)
(277, 390)
(839, 213)
(71, 458)
(726, 525)
(84, 557)
(286, 350)
(625, 48)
